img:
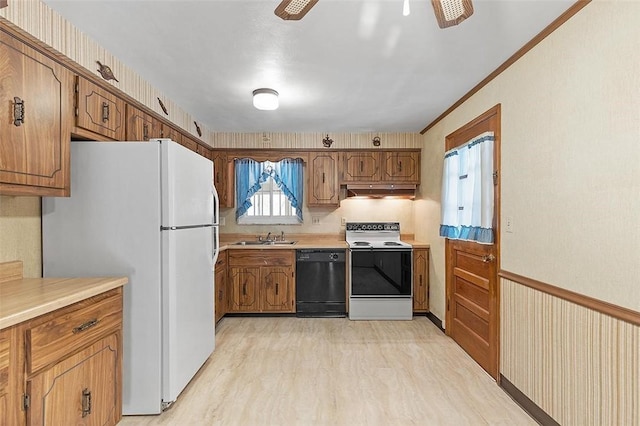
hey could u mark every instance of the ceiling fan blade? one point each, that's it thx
(293, 10)
(451, 12)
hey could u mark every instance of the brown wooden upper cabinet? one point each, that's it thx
(360, 166)
(323, 179)
(173, 134)
(401, 166)
(99, 113)
(36, 104)
(200, 149)
(223, 178)
(141, 126)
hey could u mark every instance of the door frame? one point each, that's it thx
(452, 140)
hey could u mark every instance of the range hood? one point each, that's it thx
(382, 190)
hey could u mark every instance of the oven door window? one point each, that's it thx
(381, 273)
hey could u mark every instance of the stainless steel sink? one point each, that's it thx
(264, 243)
(279, 243)
(249, 243)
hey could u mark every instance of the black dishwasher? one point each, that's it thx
(320, 283)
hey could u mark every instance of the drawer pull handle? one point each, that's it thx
(18, 111)
(276, 289)
(244, 289)
(400, 166)
(145, 132)
(105, 112)
(322, 177)
(85, 326)
(86, 402)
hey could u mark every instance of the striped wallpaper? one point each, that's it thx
(580, 366)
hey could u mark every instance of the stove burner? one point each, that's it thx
(391, 243)
(360, 243)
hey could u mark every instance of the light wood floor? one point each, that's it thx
(294, 371)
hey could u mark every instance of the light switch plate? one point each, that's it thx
(508, 224)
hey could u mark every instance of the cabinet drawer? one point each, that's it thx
(62, 333)
(268, 257)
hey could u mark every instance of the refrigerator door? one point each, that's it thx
(187, 183)
(111, 226)
(188, 334)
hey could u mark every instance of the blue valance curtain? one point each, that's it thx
(251, 174)
(467, 191)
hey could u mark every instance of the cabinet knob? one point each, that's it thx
(18, 111)
(86, 402)
(105, 112)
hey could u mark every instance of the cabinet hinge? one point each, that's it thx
(77, 112)
(495, 178)
(77, 88)
(26, 402)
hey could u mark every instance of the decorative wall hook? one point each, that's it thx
(105, 72)
(376, 141)
(326, 142)
(198, 129)
(164, 108)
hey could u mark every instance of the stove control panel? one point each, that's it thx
(373, 226)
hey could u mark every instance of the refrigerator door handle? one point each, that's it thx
(216, 221)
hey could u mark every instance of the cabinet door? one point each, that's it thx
(141, 126)
(421, 280)
(278, 288)
(36, 116)
(171, 133)
(221, 286)
(361, 167)
(221, 178)
(323, 180)
(4, 373)
(245, 294)
(401, 167)
(98, 111)
(83, 389)
(201, 149)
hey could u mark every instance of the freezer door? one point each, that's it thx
(187, 184)
(188, 306)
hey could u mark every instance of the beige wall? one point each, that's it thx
(20, 232)
(570, 159)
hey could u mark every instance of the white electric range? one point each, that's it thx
(380, 272)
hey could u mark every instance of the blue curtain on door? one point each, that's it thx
(250, 175)
(288, 176)
(467, 191)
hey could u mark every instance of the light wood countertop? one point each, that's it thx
(26, 298)
(303, 241)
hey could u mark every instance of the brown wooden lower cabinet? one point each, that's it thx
(64, 367)
(261, 281)
(220, 280)
(81, 389)
(421, 280)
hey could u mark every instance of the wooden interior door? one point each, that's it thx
(472, 317)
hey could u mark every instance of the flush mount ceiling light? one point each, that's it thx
(265, 99)
(451, 12)
(293, 10)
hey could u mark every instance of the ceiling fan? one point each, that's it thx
(448, 12)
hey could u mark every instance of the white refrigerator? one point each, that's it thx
(149, 211)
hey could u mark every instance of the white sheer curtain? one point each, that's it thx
(467, 191)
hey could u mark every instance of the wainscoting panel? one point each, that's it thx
(580, 366)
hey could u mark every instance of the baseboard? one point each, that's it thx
(437, 321)
(527, 405)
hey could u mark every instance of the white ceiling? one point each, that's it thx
(347, 66)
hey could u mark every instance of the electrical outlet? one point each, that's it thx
(343, 221)
(315, 220)
(508, 224)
